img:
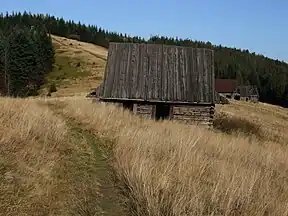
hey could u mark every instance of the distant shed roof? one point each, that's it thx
(225, 85)
(154, 72)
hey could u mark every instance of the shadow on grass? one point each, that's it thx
(232, 124)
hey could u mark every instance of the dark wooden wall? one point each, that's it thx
(188, 114)
(156, 72)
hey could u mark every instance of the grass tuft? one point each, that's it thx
(233, 124)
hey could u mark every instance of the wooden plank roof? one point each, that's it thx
(225, 85)
(154, 72)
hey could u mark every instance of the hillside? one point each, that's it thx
(78, 68)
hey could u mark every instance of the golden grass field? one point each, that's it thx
(58, 153)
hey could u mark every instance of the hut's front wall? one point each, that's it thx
(193, 114)
(188, 114)
(144, 110)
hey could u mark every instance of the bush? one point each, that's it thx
(229, 124)
(52, 88)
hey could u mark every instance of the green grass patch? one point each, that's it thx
(66, 68)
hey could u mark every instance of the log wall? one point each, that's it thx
(190, 114)
(144, 110)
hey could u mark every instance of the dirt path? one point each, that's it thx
(109, 202)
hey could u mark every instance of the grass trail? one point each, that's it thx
(50, 166)
(109, 201)
(172, 169)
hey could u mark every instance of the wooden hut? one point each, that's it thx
(248, 93)
(160, 81)
(226, 87)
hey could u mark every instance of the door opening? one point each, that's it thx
(162, 111)
(128, 105)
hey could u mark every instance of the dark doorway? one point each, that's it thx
(237, 97)
(128, 105)
(162, 111)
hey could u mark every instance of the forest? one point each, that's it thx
(268, 75)
(26, 56)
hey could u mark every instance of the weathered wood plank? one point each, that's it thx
(171, 74)
(159, 68)
(153, 77)
(133, 69)
(211, 76)
(123, 78)
(165, 73)
(115, 85)
(200, 75)
(141, 73)
(180, 67)
(146, 79)
(128, 72)
(194, 76)
(159, 72)
(109, 71)
(207, 81)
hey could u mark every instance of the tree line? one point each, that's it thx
(268, 75)
(26, 54)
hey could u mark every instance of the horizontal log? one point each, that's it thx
(145, 116)
(196, 120)
(192, 107)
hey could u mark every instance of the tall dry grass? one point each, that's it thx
(172, 169)
(44, 168)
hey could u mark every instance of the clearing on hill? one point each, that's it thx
(78, 68)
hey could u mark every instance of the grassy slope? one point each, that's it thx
(53, 159)
(79, 67)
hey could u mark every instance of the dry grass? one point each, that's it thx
(271, 121)
(164, 168)
(45, 168)
(172, 169)
(161, 168)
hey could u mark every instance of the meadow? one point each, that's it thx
(65, 155)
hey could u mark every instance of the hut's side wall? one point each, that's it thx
(193, 114)
(144, 110)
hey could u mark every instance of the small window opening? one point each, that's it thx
(162, 111)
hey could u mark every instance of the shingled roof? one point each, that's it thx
(154, 72)
(225, 85)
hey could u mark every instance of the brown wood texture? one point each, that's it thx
(154, 72)
(193, 114)
(145, 111)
